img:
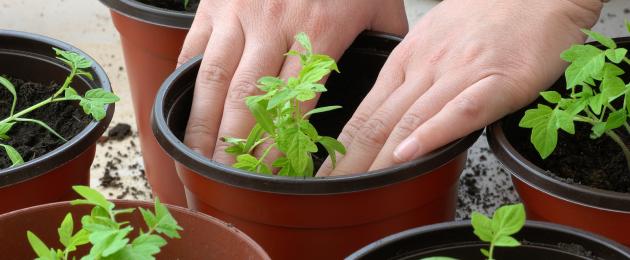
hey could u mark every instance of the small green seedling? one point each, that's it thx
(109, 237)
(93, 102)
(598, 96)
(280, 122)
(506, 221)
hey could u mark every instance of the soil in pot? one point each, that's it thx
(32, 140)
(175, 5)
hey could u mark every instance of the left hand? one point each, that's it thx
(464, 65)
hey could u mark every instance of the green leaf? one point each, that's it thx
(616, 119)
(485, 252)
(596, 103)
(166, 223)
(281, 97)
(587, 61)
(332, 146)
(186, 3)
(482, 226)
(297, 147)
(506, 241)
(604, 40)
(85, 74)
(42, 124)
(564, 121)
(92, 197)
(321, 110)
(598, 130)
(14, 155)
(269, 83)
(508, 219)
(102, 96)
(11, 88)
(42, 251)
(616, 55)
(303, 40)
(246, 162)
(106, 243)
(4, 130)
(146, 246)
(65, 230)
(71, 93)
(551, 96)
(262, 116)
(95, 100)
(544, 126)
(73, 59)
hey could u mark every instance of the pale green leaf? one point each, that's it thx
(616, 55)
(71, 93)
(564, 121)
(506, 241)
(263, 118)
(544, 126)
(482, 226)
(41, 250)
(42, 124)
(75, 60)
(332, 146)
(321, 110)
(303, 40)
(14, 155)
(65, 230)
(508, 219)
(551, 96)
(11, 88)
(92, 197)
(616, 119)
(4, 130)
(603, 39)
(587, 61)
(485, 252)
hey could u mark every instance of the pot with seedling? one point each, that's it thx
(94, 228)
(292, 214)
(152, 33)
(573, 168)
(504, 236)
(55, 104)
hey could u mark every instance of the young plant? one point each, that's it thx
(506, 221)
(186, 3)
(597, 96)
(109, 237)
(93, 102)
(281, 123)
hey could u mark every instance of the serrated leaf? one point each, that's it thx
(246, 162)
(166, 224)
(77, 61)
(269, 83)
(42, 124)
(298, 146)
(551, 96)
(616, 119)
(603, 39)
(92, 197)
(482, 226)
(281, 97)
(106, 243)
(65, 230)
(71, 93)
(564, 121)
(506, 241)
(508, 219)
(146, 246)
(11, 88)
(321, 110)
(544, 126)
(14, 155)
(616, 55)
(587, 62)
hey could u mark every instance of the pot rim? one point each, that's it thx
(465, 224)
(145, 204)
(292, 185)
(151, 14)
(79, 143)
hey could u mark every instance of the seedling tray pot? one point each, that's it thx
(203, 237)
(315, 218)
(540, 240)
(49, 177)
(151, 39)
(549, 199)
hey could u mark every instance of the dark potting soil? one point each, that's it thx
(32, 140)
(175, 5)
(119, 132)
(598, 163)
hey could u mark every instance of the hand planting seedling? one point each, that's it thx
(598, 96)
(280, 122)
(506, 221)
(109, 237)
(93, 102)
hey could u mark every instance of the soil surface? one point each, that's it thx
(175, 5)
(579, 159)
(32, 140)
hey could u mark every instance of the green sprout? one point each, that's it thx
(598, 97)
(280, 122)
(93, 102)
(109, 237)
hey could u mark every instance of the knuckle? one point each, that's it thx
(274, 8)
(375, 131)
(408, 123)
(354, 125)
(239, 91)
(466, 107)
(213, 74)
(198, 127)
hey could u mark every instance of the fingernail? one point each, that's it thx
(406, 150)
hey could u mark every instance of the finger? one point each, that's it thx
(473, 109)
(366, 145)
(197, 37)
(262, 57)
(215, 72)
(425, 107)
(389, 79)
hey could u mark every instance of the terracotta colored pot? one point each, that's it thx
(549, 199)
(315, 218)
(456, 239)
(203, 237)
(151, 39)
(50, 177)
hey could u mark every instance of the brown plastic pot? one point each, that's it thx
(50, 177)
(549, 199)
(315, 218)
(151, 39)
(539, 240)
(203, 237)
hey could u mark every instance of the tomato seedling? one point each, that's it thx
(280, 122)
(109, 237)
(93, 102)
(597, 96)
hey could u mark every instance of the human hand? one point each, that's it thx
(244, 40)
(464, 65)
